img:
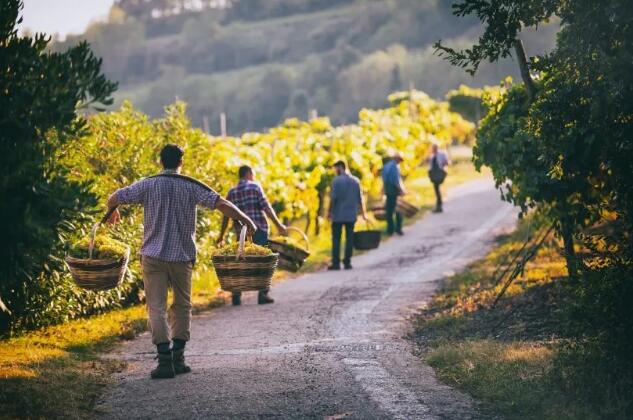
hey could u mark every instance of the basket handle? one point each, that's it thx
(240, 247)
(303, 235)
(93, 232)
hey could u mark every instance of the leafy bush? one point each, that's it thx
(562, 142)
(599, 350)
(41, 206)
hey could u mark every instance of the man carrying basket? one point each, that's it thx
(346, 201)
(393, 187)
(168, 253)
(249, 197)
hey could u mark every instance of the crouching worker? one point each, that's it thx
(249, 197)
(169, 251)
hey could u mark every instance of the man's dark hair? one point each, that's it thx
(244, 170)
(340, 164)
(171, 156)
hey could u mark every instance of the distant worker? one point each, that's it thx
(346, 201)
(437, 162)
(249, 197)
(393, 188)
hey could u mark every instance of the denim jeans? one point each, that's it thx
(260, 237)
(337, 231)
(390, 209)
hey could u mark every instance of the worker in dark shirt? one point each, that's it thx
(249, 197)
(346, 201)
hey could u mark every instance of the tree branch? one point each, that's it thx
(525, 71)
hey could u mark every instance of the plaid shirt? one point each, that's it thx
(169, 226)
(249, 197)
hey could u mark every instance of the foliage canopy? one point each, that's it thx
(40, 95)
(562, 142)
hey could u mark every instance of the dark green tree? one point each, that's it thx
(563, 142)
(574, 120)
(503, 21)
(40, 96)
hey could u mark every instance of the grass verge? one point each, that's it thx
(58, 372)
(520, 358)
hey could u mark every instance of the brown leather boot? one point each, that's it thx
(179, 362)
(165, 368)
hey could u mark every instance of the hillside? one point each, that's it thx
(260, 65)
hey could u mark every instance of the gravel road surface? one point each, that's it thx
(332, 346)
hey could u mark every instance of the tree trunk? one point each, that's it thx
(567, 232)
(525, 70)
(317, 223)
(308, 223)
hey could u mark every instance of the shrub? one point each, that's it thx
(40, 206)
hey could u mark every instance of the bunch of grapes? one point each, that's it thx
(286, 240)
(104, 248)
(249, 249)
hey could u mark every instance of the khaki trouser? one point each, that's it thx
(158, 276)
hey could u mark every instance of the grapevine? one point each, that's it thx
(292, 162)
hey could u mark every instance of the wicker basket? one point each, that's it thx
(242, 273)
(367, 239)
(97, 274)
(405, 208)
(289, 264)
(291, 258)
(380, 214)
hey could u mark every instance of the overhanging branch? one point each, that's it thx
(525, 70)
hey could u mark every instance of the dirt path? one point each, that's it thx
(332, 344)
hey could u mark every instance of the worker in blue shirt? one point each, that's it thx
(393, 188)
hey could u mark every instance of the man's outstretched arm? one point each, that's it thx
(273, 216)
(229, 210)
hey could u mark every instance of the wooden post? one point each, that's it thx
(317, 221)
(205, 124)
(308, 223)
(223, 124)
(411, 105)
